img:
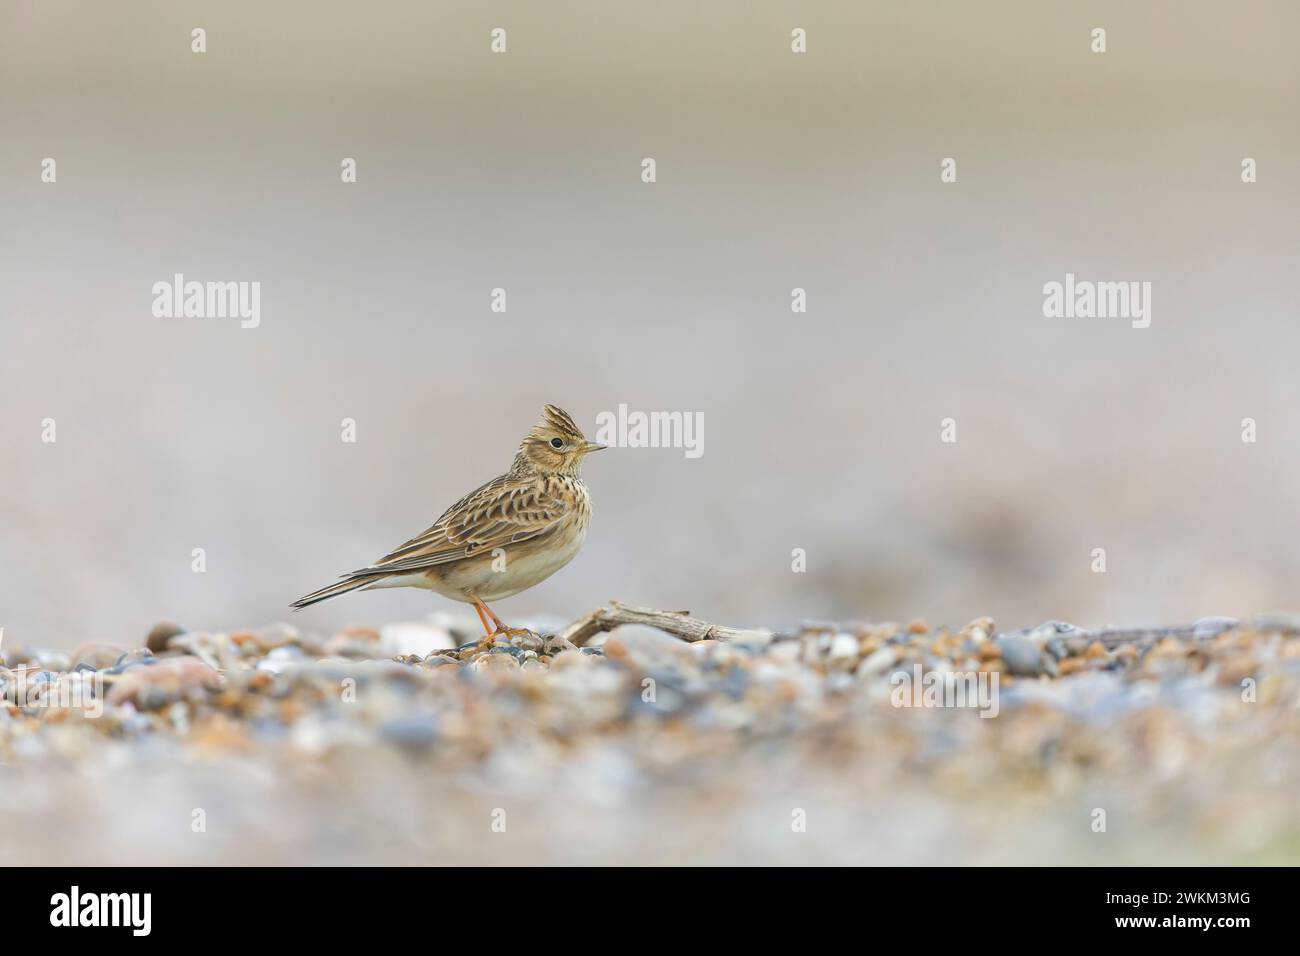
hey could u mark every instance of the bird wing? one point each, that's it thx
(505, 511)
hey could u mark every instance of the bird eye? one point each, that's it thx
(557, 442)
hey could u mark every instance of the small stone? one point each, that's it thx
(160, 634)
(273, 635)
(645, 645)
(1281, 623)
(170, 679)
(557, 645)
(753, 638)
(340, 646)
(786, 652)
(978, 630)
(1022, 656)
(528, 642)
(869, 644)
(1169, 647)
(878, 662)
(414, 732)
(250, 645)
(1208, 627)
(503, 661)
(944, 645)
(54, 660)
(1076, 645)
(1096, 650)
(132, 659)
(440, 660)
(95, 656)
(844, 647)
(918, 626)
(1235, 669)
(566, 659)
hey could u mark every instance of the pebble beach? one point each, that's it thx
(825, 743)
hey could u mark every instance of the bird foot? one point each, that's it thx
(506, 633)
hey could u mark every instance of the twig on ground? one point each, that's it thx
(1113, 637)
(690, 629)
(677, 623)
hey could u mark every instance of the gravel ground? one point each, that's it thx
(828, 744)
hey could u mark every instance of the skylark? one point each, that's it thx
(512, 533)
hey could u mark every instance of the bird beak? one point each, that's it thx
(592, 446)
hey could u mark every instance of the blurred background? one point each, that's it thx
(775, 171)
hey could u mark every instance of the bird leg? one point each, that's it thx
(502, 628)
(480, 607)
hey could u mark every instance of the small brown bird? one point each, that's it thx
(512, 533)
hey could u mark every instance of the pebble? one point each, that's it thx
(844, 649)
(495, 662)
(1208, 627)
(140, 657)
(1281, 623)
(978, 630)
(54, 660)
(96, 656)
(160, 634)
(754, 639)
(166, 681)
(412, 732)
(878, 662)
(442, 660)
(1022, 656)
(529, 642)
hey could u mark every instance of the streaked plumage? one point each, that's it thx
(500, 539)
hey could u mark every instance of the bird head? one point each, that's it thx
(555, 446)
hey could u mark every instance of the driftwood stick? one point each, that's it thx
(1113, 637)
(677, 623)
(690, 629)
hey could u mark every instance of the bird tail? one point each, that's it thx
(333, 590)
